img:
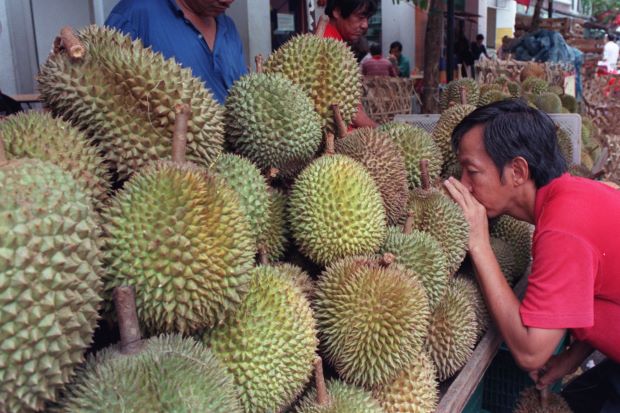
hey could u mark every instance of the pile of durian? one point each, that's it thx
(253, 238)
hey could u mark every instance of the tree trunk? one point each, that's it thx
(550, 9)
(536, 16)
(432, 53)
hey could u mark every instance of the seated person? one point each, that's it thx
(401, 62)
(377, 65)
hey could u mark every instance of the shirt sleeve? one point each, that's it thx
(560, 291)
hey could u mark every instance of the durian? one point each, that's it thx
(506, 259)
(529, 402)
(518, 234)
(548, 102)
(442, 135)
(343, 398)
(462, 91)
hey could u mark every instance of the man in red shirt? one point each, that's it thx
(348, 21)
(512, 165)
(377, 65)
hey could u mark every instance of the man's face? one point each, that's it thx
(208, 8)
(395, 51)
(353, 27)
(480, 175)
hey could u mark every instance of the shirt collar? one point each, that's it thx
(175, 6)
(179, 11)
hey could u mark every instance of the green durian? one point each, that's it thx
(372, 319)
(170, 374)
(269, 344)
(548, 102)
(416, 144)
(38, 135)
(569, 102)
(124, 95)
(182, 239)
(271, 121)
(566, 144)
(491, 96)
(343, 398)
(325, 69)
(384, 161)
(50, 281)
(442, 134)
(274, 239)
(529, 402)
(518, 234)
(534, 85)
(506, 259)
(336, 210)
(413, 390)
(461, 92)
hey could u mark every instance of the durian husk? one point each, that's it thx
(384, 161)
(518, 234)
(506, 259)
(460, 92)
(50, 281)
(325, 69)
(123, 96)
(343, 398)
(269, 344)
(442, 135)
(372, 318)
(529, 402)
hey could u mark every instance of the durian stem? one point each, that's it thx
(129, 328)
(263, 258)
(273, 173)
(322, 397)
(3, 159)
(259, 63)
(67, 40)
(544, 398)
(340, 126)
(387, 259)
(321, 26)
(408, 228)
(463, 94)
(426, 180)
(330, 146)
(179, 137)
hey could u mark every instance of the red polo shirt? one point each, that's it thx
(575, 278)
(332, 33)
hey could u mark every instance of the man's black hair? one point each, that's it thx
(511, 129)
(397, 45)
(480, 37)
(375, 49)
(611, 37)
(348, 7)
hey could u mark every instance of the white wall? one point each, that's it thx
(7, 71)
(254, 26)
(398, 23)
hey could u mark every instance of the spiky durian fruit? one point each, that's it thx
(548, 102)
(274, 238)
(49, 281)
(169, 374)
(325, 69)
(251, 188)
(467, 282)
(269, 344)
(124, 96)
(514, 89)
(343, 398)
(413, 390)
(462, 91)
(183, 240)
(435, 213)
(506, 259)
(336, 210)
(580, 170)
(487, 87)
(442, 134)
(372, 319)
(383, 159)
(558, 90)
(38, 135)
(453, 330)
(491, 96)
(529, 402)
(569, 102)
(271, 121)
(534, 85)
(518, 234)
(416, 144)
(423, 254)
(566, 144)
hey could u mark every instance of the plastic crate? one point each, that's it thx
(504, 380)
(474, 405)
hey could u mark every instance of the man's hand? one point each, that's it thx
(475, 213)
(559, 366)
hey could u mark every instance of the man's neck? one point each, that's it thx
(194, 16)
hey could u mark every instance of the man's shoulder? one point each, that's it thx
(128, 9)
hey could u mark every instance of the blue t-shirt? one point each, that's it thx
(161, 25)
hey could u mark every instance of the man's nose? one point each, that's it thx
(364, 24)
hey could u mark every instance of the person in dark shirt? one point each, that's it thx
(478, 48)
(401, 62)
(196, 33)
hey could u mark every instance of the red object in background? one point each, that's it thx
(617, 20)
(526, 3)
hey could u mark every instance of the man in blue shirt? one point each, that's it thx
(196, 33)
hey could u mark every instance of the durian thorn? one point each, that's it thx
(3, 158)
(544, 397)
(179, 136)
(340, 126)
(387, 259)
(463, 93)
(322, 397)
(321, 25)
(125, 303)
(426, 181)
(259, 63)
(408, 228)
(263, 258)
(67, 40)
(329, 144)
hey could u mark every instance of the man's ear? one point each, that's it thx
(520, 171)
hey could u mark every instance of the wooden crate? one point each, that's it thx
(383, 97)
